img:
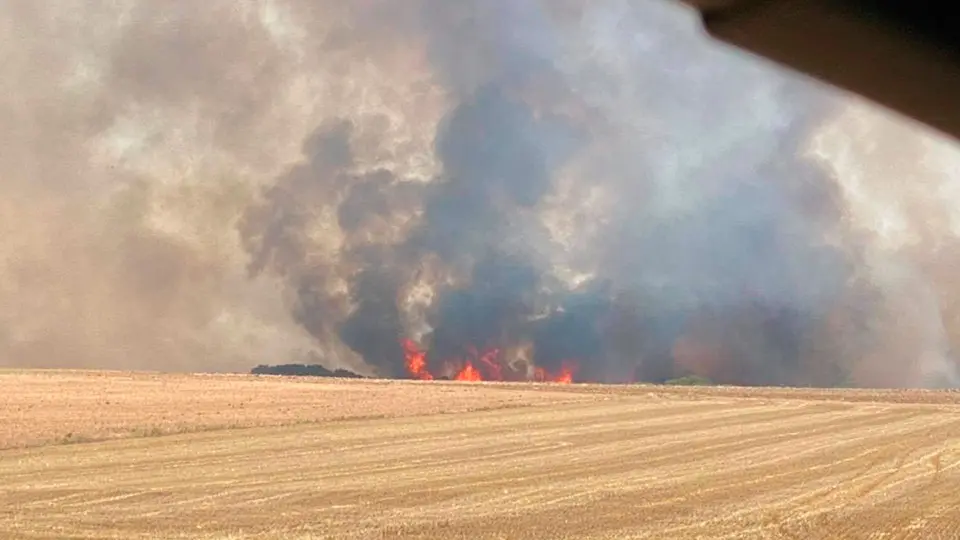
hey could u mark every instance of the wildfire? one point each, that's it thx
(564, 376)
(469, 373)
(487, 365)
(416, 361)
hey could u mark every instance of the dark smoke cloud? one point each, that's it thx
(222, 184)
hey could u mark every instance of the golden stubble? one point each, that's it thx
(260, 457)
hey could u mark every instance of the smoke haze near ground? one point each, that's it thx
(214, 185)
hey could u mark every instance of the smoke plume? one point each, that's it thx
(215, 185)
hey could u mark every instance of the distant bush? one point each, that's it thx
(304, 370)
(689, 380)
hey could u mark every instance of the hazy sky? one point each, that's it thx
(213, 185)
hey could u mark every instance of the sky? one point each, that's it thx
(207, 186)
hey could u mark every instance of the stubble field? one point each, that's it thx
(121, 455)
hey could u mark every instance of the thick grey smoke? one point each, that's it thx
(221, 184)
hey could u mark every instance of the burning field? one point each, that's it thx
(486, 365)
(469, 194)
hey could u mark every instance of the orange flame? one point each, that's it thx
(486, 366)
(468, 373)
(416, 361)
(564, 376)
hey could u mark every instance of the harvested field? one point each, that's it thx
(248, 457)
(42, 407)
